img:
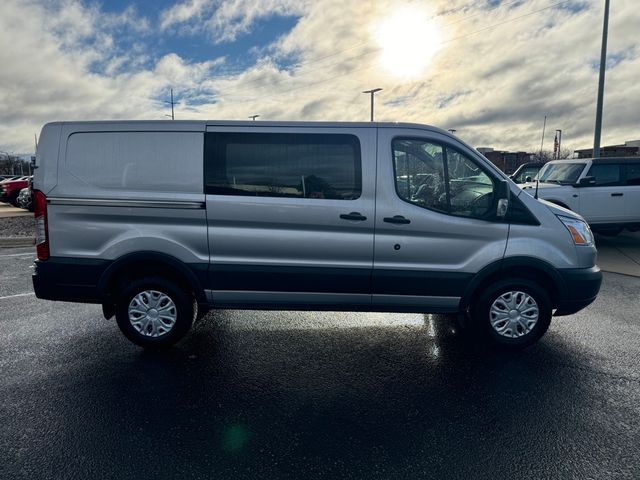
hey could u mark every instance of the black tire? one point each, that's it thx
(481, 313)
(183, 311)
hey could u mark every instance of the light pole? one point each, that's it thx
(544, 126)
(253, 117)
(372, 92)
(452, 130)
(603, 64)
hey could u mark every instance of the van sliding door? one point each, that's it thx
(290, 215)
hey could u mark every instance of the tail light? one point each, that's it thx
(42, 227)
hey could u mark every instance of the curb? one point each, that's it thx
(17, 241)
(617, 272)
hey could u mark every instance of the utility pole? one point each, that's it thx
(253, 117)
(372, 92)
(172, 103)
(452, 130)
(544, 125)
(603, 64)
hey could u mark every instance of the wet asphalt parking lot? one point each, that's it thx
(315, 395)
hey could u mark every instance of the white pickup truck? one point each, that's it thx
(605, 191)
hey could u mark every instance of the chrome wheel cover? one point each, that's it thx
(152, 313)
(514, 314)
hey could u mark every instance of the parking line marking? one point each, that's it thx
(17, 295)
(18, 255)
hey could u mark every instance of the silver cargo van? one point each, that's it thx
(161, 221)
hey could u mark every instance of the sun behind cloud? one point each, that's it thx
(409, 38)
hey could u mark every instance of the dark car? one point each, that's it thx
(525, 170)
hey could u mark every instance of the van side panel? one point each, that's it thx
(120, 192)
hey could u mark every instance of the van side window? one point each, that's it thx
(605, 174)
(633, 174)
(440, 178)
(321, 166)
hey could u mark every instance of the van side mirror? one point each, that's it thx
(502, 194)
(586, 181)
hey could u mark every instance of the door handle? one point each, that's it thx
(616, 194)
(353, 216)
(399, 219)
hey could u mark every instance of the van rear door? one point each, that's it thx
(290, 215)
(434, 225)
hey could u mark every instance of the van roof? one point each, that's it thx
(599, 160)
(185, 124)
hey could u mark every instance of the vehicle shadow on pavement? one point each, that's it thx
(385, 399)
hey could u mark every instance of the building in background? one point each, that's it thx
(628, 149)
(506, 161)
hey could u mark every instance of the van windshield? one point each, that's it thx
(561, 173)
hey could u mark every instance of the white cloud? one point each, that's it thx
(183, 12)
(495, 75)
(224, 20)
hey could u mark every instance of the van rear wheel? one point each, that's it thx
(154, 313)
(512, 313)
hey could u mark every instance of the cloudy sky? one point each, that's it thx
(490, 69)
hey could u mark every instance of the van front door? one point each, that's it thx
(290, 215)
(435, 227)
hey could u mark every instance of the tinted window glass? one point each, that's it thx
(633, 174)
(605, 174)
(432, 176)
(283, 165)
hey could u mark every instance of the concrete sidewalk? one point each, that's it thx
(7, 210)
(619, 254)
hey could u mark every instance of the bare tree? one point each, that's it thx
(548, 155)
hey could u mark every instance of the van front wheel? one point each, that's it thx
(512, 313)
(154, 313)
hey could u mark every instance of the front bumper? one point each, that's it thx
(581, 289)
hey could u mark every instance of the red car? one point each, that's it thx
(10, 190)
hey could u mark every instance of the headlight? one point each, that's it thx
(579, 230)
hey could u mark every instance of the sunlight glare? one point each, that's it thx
(409, 39)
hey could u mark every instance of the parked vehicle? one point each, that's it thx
(8, 178)
(292, 215)
(4, 178)
(10, 190)
(526, 172)
(605, 191)
(24, 199)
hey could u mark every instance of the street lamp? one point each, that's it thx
(253, 117)
(603, 64)
(372, 92)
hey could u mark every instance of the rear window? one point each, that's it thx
(321, 166)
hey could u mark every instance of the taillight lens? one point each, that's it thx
(42, 228)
